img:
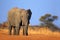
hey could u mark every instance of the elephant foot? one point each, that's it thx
(10, 34)
(14, 34)
(25, 34)
(17, 34)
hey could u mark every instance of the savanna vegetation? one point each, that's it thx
(47, 20)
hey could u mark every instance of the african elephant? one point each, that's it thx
(17, 18)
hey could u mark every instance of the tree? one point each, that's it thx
(47, 20)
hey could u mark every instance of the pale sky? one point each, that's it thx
(38, 8)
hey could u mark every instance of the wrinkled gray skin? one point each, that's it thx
(17, 18)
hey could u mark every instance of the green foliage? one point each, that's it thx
(48, 19)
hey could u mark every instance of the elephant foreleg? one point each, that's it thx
(10, 30)
(17, 30)
(25, 30)
(14, 31)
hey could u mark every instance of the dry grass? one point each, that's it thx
(44, 31)
(34, 34)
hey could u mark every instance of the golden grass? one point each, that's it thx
(34, 34)
(44, 31)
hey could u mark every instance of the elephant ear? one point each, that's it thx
(30, 13)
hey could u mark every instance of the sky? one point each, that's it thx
(38, 8)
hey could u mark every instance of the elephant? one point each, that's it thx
(17, 18)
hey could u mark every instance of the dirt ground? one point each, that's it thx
(4, 36)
